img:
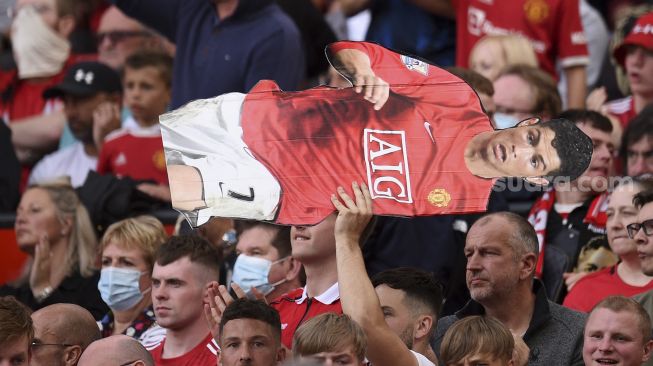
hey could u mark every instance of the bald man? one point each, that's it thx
(116, 350)
(61, 333)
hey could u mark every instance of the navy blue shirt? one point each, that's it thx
(258, 41)
(400, 25)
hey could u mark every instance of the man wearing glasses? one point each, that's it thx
(642, 232)
(61, 333)
(119, 36)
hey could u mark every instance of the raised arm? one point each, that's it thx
(34, 136)
(357, 294)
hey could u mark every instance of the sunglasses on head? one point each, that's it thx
(634, 228)
(119, 36)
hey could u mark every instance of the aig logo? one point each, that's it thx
(387, 165)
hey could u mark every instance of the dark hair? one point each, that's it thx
(197, 249)
(593, 118)
(252, 309)
(574, 149)
(417, 284)
(639, 128)
(478, 82)
(281, 239)
(15, 321)
(158, 59)
(547, 98)
(643, 198)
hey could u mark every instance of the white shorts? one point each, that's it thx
(206, 134)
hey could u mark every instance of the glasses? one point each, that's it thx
(119, 36)
(634, 228)
(39, 344)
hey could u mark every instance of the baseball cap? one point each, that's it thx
(640, 35)
(85, 79)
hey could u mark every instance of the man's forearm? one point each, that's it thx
(39, 133)
(357, 294)
(576, 86)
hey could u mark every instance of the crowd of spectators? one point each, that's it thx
(560, 274)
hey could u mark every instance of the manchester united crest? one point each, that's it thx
(536, 11)
(159, 160)
(439, 197)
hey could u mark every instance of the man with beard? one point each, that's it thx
(91, 92)
(502, 251)
(411, 300)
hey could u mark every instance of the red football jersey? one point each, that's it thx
(137, 154)
(295, 308)
(553, 27)
(410, 153)
(206, 353)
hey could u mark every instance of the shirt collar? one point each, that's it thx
(328, 297)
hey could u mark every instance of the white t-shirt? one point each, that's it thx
(422, 360)
(70, 161)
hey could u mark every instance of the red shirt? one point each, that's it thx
(623, 109)
(134, 153)
(295, 308)
(597, 286)
(410, 153)
(553, 27)
(205, 353)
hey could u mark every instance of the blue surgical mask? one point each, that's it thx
(503, 121)
(252, 272)
(119, 287)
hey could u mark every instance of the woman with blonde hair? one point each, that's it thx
(493, 53)
(53, 227)
(128, 248)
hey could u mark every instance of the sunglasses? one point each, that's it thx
(634, 228)
(119, 36)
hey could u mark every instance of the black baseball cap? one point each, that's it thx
(85, 79)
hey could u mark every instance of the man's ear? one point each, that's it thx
(540, 181)
(294, 268)
(281, 354)
(423, 326)
(66, 25)
(530, 262)
(647, 351)
(72, 355)
(528, 122)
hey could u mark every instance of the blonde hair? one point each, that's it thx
(145, 233)
(474, 335)
(516, 49)
(82, 242)
(329, 332)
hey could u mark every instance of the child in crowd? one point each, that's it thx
(136, 150)
(476, 340)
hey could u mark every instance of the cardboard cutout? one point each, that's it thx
(278, 156)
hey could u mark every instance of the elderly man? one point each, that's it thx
(116, 350)
(502, 251)
(61, 333)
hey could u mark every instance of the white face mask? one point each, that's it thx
(252, 272)
(39, 51)
(503, 121)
